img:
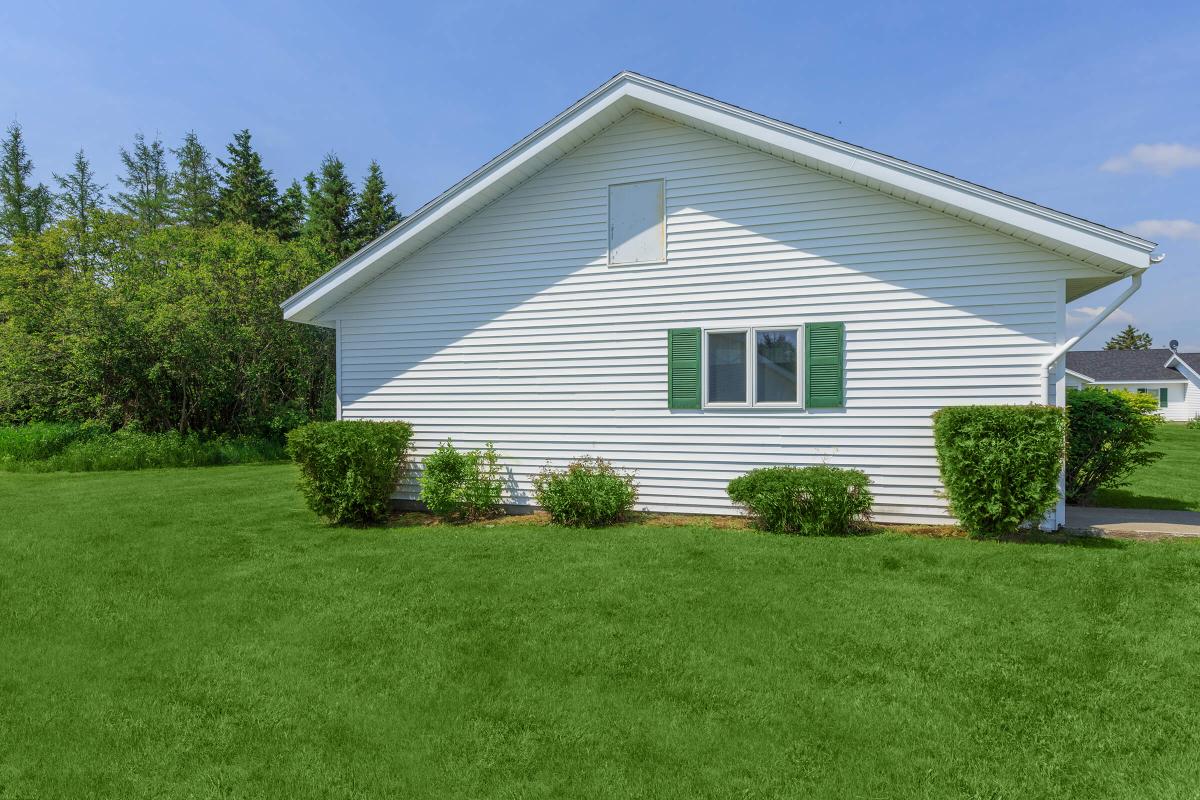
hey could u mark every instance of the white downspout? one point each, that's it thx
(1060, 351)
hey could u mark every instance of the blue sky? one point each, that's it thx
(1090, 108)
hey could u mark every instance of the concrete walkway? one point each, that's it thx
(1132, 521)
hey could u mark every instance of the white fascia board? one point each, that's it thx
(868, 166)
(630, 91)
(300, 306)
(1175, 362)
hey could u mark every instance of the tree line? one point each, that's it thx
(155, 305)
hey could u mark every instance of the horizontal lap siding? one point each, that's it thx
(513, 328)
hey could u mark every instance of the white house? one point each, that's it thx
(693, 290)
(1171, 377)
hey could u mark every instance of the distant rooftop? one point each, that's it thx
(1129, 365)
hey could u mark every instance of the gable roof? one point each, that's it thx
(1110, 251)
(1115, 366)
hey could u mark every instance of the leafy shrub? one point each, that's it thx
(1110, 435)
(1194, 424)
(999, 464)
(42, 447)
(349, 468)
(39, 441)
(590, 492)
(461, 486)
(808, 500)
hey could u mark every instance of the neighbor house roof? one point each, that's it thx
(1116, 366)
(1112, 252)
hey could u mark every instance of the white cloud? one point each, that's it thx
(1154, 229)
(1160, 159)
(1078, 317)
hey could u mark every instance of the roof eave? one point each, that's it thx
(1107, 249)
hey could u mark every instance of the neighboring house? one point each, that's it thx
(1173, 378)
(693, 290)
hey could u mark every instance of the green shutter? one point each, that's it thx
(683, 368)
(1162, 398)
(824, 371)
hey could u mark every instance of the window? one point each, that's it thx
(636, 223)
(1162, 397)
(800, 366)
(752, 366)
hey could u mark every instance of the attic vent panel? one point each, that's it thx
(636, 223)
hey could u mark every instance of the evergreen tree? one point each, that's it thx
(79, 195)
(1130, 339)
(376, 211)
(78, 200)
(24, 209)
(331, 209)
(147, 183)
(292, 210)
(247, 191)
(194, 186)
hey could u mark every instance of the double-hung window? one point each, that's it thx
(753, 367)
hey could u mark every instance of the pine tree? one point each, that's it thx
(247, 190)
(78, 200)
(292, 210)
(79, 195)
(376, 211)
(24, 209)
(147, 183)
(1130, 339)
(331, 209)
(194, 186)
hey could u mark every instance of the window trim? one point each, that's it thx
(751, 402)
(662, 208)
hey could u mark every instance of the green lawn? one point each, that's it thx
(1171, 482)
(197, 633)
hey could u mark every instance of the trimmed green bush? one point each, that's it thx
(589, 493)
(808, 500)
(349, 468)
(1110, 437)
(999, 464)
(461, 486)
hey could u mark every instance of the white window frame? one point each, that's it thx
(662, 197)
(751, 333)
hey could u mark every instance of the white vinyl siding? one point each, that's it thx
(512, 327)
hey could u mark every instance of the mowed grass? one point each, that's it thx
(1172, 482)
(198, 633)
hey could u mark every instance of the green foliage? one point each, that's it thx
(376, 211)
(461, 486)
(349, 468)
(1130, 339)
(1194, 424)
(331, 209)
(999, 464)
(194, 184)
(25, 209)
(70, 447)
(147, 182)
(589, 493)
(818, 500)
(247, 192)
(1110, 436)
(180, 330)
(293, 209)
(39, 441)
